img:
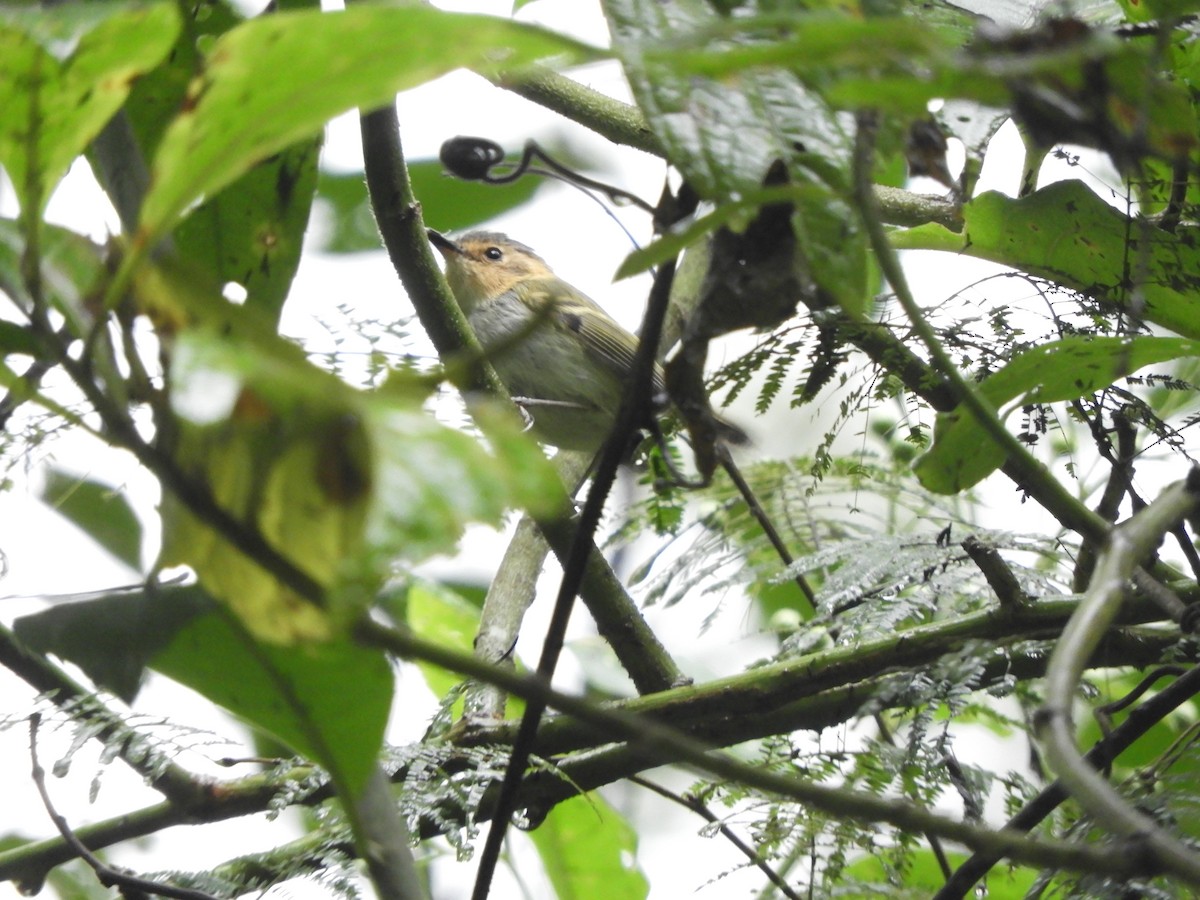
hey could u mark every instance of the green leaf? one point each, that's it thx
(70, 266)
(433, 480)
(284, 448)
(809, 45)
(588, 850)
(345, 222)
(276, 80)
(438, 614)
(252, 232)
(329, 702)
(158, 95)
(923, 876)
(112, 638)
(342, 482)
(16, 338)
(1066, 233)
(63, 73)
(102, 512)
(963, 455)
(725, 134)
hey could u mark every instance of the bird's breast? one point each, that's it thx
(539, 357)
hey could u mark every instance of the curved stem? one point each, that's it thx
(1127, 546)
(1140, 720)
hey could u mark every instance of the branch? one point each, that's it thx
(624, 124)
(1141, 720)
(1128, 545)
(806, 692)
(130, 885)
(829, 707)
(651, 739)
(620, 122)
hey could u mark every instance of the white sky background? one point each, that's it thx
(46, 557)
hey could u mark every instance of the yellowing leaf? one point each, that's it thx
(303, 483)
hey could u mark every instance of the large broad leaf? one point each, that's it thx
(338, 481)
(724, 135)
(103, 513)
(63, 73)
(329, 702)
(157, 97)
(963, 454)
(113, 637)
(1065, 233)
(865, 878)
(440, 615)
(252, 232)
(589, 850)
(276, 80)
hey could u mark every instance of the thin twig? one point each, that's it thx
(107, 876)
(693, 804)
(765, 523)
(1120, 483)
(635, 408)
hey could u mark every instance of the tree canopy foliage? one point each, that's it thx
(300, 495)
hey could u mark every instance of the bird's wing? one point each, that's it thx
(613, 347)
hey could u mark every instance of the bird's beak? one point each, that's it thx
(444, 245)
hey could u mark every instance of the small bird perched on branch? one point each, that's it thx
(561, 356)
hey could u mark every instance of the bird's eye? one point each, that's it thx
(494, 253)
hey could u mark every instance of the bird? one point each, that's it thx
(561, 356)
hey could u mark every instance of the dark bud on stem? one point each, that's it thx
(470, 158)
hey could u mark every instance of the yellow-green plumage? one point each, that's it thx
(562, 357)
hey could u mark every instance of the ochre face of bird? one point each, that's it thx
(562, 357)
(484, 265)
